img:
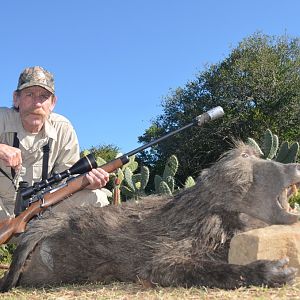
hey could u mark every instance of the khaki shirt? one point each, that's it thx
(64, 152)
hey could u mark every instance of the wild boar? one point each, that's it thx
(179, 240)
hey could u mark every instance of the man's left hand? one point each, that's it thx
(97, 178)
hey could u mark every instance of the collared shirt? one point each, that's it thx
(64, 152)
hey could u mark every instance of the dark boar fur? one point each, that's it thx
(181, 240)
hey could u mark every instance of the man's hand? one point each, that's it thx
(11, 156)
(97, 178)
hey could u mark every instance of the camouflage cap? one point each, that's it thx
(36, 76)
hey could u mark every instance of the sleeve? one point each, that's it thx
(4, 111)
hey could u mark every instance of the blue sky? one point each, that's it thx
(115, 60)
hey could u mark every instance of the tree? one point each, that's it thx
(106, 152)
(258, 86)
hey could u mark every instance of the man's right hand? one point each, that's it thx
(11, 156)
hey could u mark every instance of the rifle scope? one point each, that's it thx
(83, 165)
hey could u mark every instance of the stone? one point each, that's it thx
(271, 242)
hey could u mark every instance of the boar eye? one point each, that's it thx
(245, 155)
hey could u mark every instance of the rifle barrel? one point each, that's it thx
(211, 114)
(141, 148)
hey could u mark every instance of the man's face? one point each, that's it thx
(35, 105)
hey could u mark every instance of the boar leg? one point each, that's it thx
(223, 275)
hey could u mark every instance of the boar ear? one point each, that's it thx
(248, 150)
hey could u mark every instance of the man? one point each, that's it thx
(35, 142)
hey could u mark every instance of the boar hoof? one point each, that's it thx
(275, 273)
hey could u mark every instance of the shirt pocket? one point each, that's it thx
(37, 172)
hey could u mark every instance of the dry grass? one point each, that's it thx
(135, 291)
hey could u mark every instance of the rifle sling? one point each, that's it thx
(46, 151)
(16, 144)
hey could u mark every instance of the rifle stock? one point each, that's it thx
(12, 226)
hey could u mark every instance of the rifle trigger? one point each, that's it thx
(42, 203)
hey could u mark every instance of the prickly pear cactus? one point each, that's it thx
(287, 154)
(124, 182)
(120, 175)
(132, 164)
(171, 167)
(270, 144)
(130, 185)
(157, 180)
(270, 149)
(253, 144)
(166, 183)
(189, 182)
(135, 183)
(100, 161)
(170, 180)
(164, 188)
(145, 173)
(85, 153)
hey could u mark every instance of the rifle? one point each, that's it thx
(48, 192)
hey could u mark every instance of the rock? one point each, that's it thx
(272, 242)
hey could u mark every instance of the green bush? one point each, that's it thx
(6, 252)
(295, 201)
